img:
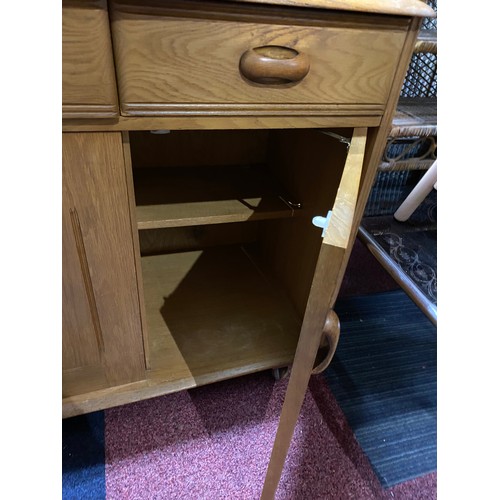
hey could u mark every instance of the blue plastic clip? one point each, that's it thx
(323, 222)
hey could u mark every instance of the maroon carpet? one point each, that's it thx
(214, 443)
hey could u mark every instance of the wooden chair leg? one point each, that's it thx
(418, 194)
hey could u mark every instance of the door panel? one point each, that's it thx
(324, 287)
(102, 338)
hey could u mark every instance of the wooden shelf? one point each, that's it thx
(238, 320)
(189, 196)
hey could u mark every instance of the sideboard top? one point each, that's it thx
(415, 8)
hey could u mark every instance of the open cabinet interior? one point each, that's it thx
(226, 246)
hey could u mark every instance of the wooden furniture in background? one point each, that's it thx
(189, 252)
(418, 194)
(426, 43)
(415, 122)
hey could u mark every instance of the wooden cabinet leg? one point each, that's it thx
(418, 194)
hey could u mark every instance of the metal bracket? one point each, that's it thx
(290, 204)
(293, 205)
(341, 138)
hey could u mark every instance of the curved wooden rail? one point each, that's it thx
(331, 332)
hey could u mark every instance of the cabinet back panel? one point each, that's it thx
(306, 164)
(198, 148)
(180, 239)
(309, 165)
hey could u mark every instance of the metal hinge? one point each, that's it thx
(341, 138)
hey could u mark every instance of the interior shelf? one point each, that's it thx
(189, 196)
(239, 320)
(226, 247)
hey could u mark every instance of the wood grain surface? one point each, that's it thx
(88, 73)
(101, 326)
(213, 312)
(193, 196)
(135, 241)
(178, 68)
(338, 118)
(309, 165)
(397, 7)
(198, 148)
(325, 282)
(339, 229)
(375, 144)
(169, 60)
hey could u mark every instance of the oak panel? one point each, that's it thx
(102, 322)
(125, 123)
(239, 321)
(81, 331)
(326, 278)
(198, 148)
(88, 75)
(175, 197)
(135, 239)
(309, 164)
(172, 61)
(180, 239)
(398, 7)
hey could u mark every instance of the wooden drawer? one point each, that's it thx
(88, 75)
(188, 57)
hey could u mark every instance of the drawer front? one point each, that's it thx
(88, 75)
(190, 57)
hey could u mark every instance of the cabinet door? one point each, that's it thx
(102, 339)
(338, 231)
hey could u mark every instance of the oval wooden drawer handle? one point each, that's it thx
(272, 64)
(331, 331)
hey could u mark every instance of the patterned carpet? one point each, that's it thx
(412, 245)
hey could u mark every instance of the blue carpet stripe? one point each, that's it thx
(83, 457)
(384, 378)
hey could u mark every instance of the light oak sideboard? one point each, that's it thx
(200, 140)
